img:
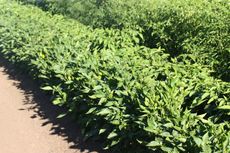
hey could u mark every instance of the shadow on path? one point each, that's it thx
(39, 103)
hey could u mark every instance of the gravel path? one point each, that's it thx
(28, 121)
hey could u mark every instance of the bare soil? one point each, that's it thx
(28, 122)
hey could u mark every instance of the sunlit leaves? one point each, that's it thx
(130, 95)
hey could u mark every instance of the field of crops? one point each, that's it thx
(152, 76)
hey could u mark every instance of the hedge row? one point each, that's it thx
(197, 27)
(130, 96)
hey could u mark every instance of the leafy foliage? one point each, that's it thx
(197, 27)
(136, 98)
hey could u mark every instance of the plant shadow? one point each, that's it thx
(40, 104)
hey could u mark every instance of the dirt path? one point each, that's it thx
(28, 121)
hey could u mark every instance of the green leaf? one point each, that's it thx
(101, 131)
(68, 82)
(62, 115)
(166, 134)
(47, 88)
(57, 101)
(115, 122)
(192, 93)
(167, 149)
(225, 107)
(182, 140)
(104, 111)
(97, 88)
(197, 140)
(91, 110)
(86, 90)
(114, 142)
(98, 95)
(154, 144)
(168, 125)
(112, 135)
(205, 95)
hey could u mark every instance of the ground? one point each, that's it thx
(28, 122)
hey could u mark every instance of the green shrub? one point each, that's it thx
(197, 27)
(129, 95)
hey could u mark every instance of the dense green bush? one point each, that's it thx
(129, 95)
(197, 27)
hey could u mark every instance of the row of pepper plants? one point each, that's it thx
(134, 97)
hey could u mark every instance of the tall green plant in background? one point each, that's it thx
(195, 29)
